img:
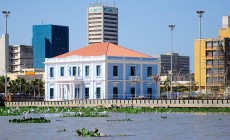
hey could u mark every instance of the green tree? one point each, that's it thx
(13, 86)
(20, 82)
(40, 86)
(27, 88)
(166, 85)
(34, 85)
(2, 84)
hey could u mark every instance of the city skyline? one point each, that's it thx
(149, 21)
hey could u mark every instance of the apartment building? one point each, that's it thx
(20, 57)
(180, 66)
(102, 24)
(213, 74)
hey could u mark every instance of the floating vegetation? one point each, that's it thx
(30, 120)
(87, 133)
(86, 114)
(62, 130)
(100, 111)
(122, 135)
(163, 117)
(127, 119)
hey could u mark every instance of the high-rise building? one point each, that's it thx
(180, 66)
(49, 41)
(4, 54)
(102, 24)
(20, 56)
(215, 62)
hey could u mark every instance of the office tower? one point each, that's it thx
(4, 54)
(215, 62)
(21, 57)
(102, 24)
(181, 66)
(49, 41)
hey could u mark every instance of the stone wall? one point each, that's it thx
(123, 103)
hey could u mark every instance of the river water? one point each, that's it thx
(145, 126)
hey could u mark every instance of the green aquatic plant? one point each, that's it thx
(87, 133)
(30, 120)
(62, 130)
(102, 112)
(85, 113)
(127, 119)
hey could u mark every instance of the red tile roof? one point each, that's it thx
(100, 49)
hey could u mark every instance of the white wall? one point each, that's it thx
(4, 53)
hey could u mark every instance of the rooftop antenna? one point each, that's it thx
(42, 22)
(114, 3)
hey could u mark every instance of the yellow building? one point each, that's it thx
(212, 69)
(199, 63)
(28, 74)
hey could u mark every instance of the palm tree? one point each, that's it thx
(40, 86)
(34, 84)
(20, 82)
(166, 84)
(13, 86)
(26, 88)
(2, 84)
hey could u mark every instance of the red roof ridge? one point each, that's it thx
(107, 48)
(104, 48)
(133, 51)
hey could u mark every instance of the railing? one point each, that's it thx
(134, 78)
(126, 103)
(20, 98)
(69, 78)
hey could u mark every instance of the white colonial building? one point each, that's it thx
(101, 71)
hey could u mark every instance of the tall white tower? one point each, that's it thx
(4, 54)
(102, 24)
(226, 21)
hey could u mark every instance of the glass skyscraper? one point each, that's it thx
(49, 41)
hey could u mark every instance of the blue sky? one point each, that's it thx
(143, 24)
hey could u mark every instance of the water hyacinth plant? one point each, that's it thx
(30, 120)
(127, 119)
(85, 114)
(87, 133)
(99, 111)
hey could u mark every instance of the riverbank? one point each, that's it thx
(13, 111)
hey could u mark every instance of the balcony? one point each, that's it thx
(69, 78)
(134, 78)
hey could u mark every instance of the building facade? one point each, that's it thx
(101, 71)
(4, 54)
(214, 72)
(20, 56)
(49, 41)
(102, 24)
(180, 68)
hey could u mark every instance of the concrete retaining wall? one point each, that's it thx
(123, 103)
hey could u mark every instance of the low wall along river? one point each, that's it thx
(123, 103)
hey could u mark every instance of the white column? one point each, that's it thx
(73, 96)
(57, 91)
(61, 92)
(124, 80)
(71, 92)
(141, 78)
